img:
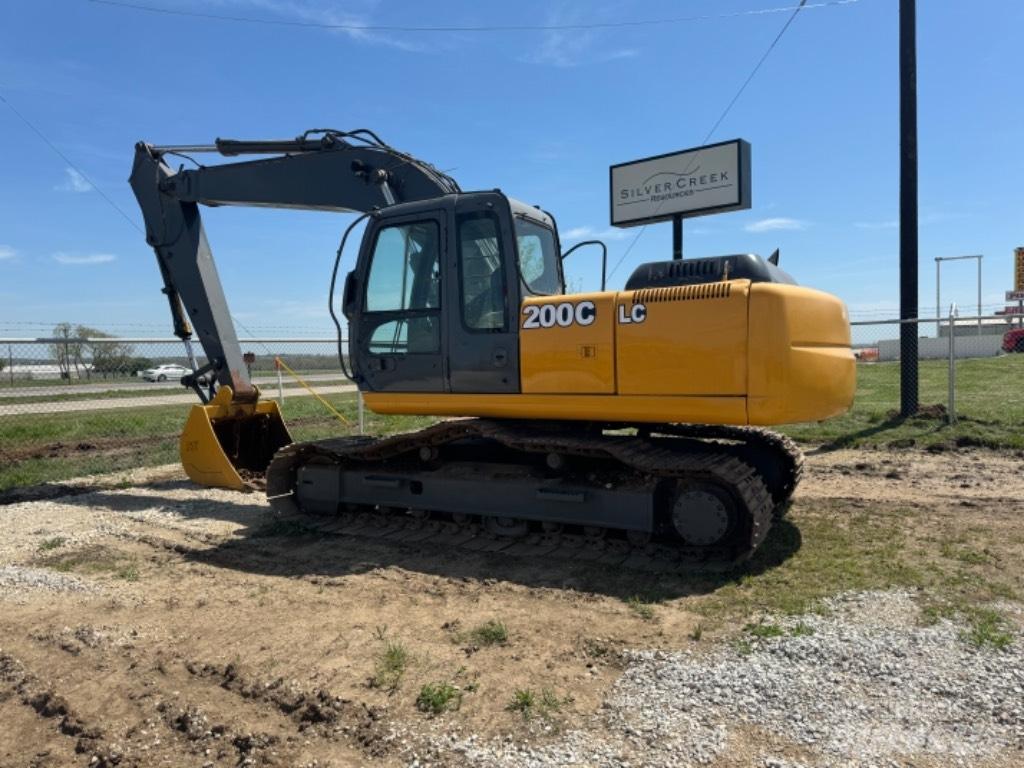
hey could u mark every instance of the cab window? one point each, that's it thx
(538, 258)
(481, 275)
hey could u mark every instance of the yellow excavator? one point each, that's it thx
(632, 417)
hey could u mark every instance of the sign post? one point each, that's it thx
(693, 182)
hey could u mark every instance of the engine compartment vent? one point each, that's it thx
(719, 290)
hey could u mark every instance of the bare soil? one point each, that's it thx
(208, 634)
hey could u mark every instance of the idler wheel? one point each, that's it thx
(703, 514)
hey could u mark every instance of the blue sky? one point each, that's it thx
(539, 114)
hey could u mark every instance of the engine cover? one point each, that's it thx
(740, 266)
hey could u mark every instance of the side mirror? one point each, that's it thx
(604, 256)
(349, 296)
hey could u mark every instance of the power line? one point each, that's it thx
(728, 108)
(67, 160)
(355, 27)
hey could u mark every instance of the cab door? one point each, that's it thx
(482, 298)
(399, 330)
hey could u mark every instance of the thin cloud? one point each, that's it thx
(7, 252)
(775, 224)
(91, 258)
(589, 233)
(75, 182)
(889, 224)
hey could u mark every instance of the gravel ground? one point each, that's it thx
(15, 578)
(862, 685)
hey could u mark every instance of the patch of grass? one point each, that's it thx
(390, 666)
(988, 628)
(52, 543)
(93, 560)
(743, 647)
(697, 632)
(801, 629)
(764, 631)
(529, 703)
(640, 607)
(148, 436)
(964, 554)
(491, 632)
(435, 698)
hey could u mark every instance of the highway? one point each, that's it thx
(99, 387)
(112, 403)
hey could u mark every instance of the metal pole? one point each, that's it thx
(951, 411)
(908, 207)
(677, 237)
(980, 257)
(280, 383)
(10, 363)
(362, 412)
(938, 298)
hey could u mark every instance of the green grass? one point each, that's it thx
(435, 698)
(491, 632)
(640, 607)
(92, 560)
(989, 406)
(764, 631)
(52, 543)
(530, 703)
(135, 437)
(390, 666)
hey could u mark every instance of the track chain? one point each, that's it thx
(646, 455)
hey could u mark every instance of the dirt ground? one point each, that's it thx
(145, 622)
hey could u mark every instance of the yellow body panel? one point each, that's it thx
(716, 410)
(801, 367)
(692, 340)
(732, 352)
(568, 357)
(204, 459)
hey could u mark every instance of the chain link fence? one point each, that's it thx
(100, 403)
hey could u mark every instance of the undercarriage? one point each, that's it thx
(651, 497)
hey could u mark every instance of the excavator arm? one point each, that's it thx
(233, 433)
(320, 170)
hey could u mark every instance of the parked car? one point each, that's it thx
(1013, 341)
(168, 372)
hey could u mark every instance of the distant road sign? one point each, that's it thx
(1015, 295)
(1018, 269)
(1014, 311)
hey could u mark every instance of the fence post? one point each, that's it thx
(280, 383)
(10, 363)
(951, 410)
(362, 423)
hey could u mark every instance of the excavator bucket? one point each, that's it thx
(229, 445)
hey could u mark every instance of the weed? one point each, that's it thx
(764, 631)
(801, 630)
(491, 632)
(988, 628)
(390, 666)
(641, 608)
(381, 632)
(523, 701)
(743, 647)
(529, 703)
(435, 698)
(52, 543)
(128, 573)
(697, 632)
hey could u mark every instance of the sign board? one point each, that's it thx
(1015, 295)
(694, 182)
(1018, 269)
(1018, 310)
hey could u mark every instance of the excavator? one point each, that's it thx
(632, 418)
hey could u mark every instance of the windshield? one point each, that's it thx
(538, 258)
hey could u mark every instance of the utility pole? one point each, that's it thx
(677, 237)
(908, 208)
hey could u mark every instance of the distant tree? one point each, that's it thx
(108, 357)
(66, 350)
